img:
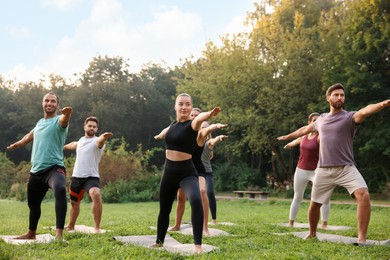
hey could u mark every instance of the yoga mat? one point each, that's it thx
(337, 238)
(306, 225)
(170, 244)
(43, 238)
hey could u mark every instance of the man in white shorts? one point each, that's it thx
(336, 163)
(85, 177)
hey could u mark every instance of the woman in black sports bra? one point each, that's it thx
(179, 170)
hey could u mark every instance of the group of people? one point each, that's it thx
(326, 159)
(48, 169)
(184, 170)
(336, 164)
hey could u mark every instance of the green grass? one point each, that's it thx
(251, 238)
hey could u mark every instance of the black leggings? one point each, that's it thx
(210, 194)
(38, 185)
(180, 174)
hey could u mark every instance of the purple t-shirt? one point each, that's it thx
(336, 133)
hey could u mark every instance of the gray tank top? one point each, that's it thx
(206, 157)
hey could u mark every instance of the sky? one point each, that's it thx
(40, 37)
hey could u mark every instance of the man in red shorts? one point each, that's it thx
(85, 177)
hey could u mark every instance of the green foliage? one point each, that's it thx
(236, 176)
(141, 189)
(6, 175)
(18, 191)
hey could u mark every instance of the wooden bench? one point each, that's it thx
(252, 194)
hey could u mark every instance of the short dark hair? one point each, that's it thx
(52, 93)
(91, 118)
(334, 87)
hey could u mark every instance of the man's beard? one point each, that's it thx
(337, 104)
(91, 133)
(50, 110)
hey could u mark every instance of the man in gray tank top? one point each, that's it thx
(336, 166)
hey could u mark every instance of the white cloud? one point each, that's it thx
(166, 34)
(25, 74)
(170, 36)
(61, 4)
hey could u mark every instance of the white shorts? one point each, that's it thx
(326, 180)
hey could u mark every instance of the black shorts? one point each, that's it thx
(78, 186)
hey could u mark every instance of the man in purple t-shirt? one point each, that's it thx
(336, 165)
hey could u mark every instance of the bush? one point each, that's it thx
(136, 190)
(7, 173)
(19, 191)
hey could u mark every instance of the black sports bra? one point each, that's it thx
(181, 137)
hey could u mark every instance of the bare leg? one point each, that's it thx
(31, 234)
(314, 217)
(180, 208)
(73, 215)
(97, 207)
(363, 213)
(205, 203)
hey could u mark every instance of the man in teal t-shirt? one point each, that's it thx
(47, 160)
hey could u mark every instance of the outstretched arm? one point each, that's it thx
(203, 133)
(66, 112)
(293, 143)
(103, 138)
(162, 134)
(197, 122)
(298, 133)
(22, 142)
(367, 111)
(213, 141)
(70, 146)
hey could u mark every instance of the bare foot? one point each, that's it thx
(97, 231)
(206, 233)
(28, 235)
(309, 236)
(324, 227)
(214, 222)
(291, 223)
(59, 233)
(198, 249)
(31, 234)
(157, 245)
(174, 228)
(69, 228)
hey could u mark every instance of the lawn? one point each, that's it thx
(251, 237)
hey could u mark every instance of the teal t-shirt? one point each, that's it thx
(48, 144)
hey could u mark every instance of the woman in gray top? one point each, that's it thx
(207, 155)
